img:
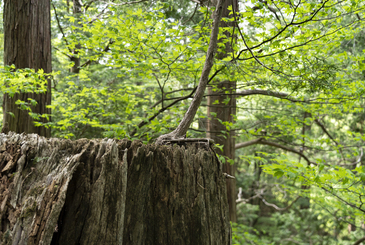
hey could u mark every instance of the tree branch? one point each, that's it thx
(248, 143)
(269, 7)
(68, 56)
(276, 207)
(249, 49)
(143, 123)
(248, 92)
(343, 200)
(196, 7)
(262, 141)
(358, 242)
(100, 14)
(239, 199)
(87, 6)
(281, 95)
(126, 3)
(321, 125)
(291, 47)
(61, 29)
(292, 23)
(106, 49)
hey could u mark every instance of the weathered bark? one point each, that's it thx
(55, 191)
(178, 197)
(27, 44)
(60, 192)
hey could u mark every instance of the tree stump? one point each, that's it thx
(105, 191)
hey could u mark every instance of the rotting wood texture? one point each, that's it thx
(105, 191)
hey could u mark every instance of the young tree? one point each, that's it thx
(184, 125)
(27, 44)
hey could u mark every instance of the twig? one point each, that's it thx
(245, 200)
(342, 200)
(100, 14)
(60, 27)
(126, 3)
(358, 242)
(68, 56)
(89, 4)
(196, 7)
(329, 135)
(106, 49)
(276, 207)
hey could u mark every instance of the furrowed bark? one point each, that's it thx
(59, 191)
(55, 191)
(27, 44)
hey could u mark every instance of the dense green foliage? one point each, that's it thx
(299, 67)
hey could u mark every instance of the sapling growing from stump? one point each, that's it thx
(184, 125)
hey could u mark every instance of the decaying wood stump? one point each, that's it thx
(56, 191)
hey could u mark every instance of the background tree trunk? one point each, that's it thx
(75, 52)
(27, 44)
(219, 133)
(225, 112)
(55, 191)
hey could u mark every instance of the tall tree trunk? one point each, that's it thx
(55, 191)
(27, 44)
(75, 58)
(219, 133)
(304, 201)
(224, 112)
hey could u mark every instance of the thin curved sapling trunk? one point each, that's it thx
(184, 125)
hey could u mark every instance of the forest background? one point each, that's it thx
(285, 100)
